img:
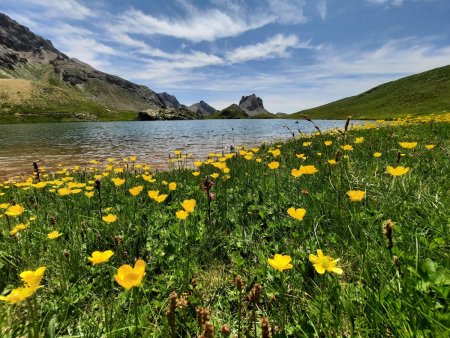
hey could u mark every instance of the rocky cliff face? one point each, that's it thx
(202, 108)
(25, 55)
(170, 101)
(252, 105)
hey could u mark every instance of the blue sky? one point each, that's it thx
(294, 54)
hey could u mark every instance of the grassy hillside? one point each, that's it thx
(37, 101)
(231, 112)
(423, 93)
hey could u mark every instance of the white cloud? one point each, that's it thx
(276, 46)
(60, 8)
(287, 11)
(206, 25)
(386, 2)
(322, 8)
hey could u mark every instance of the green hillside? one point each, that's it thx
(231, 112)
(423, 93)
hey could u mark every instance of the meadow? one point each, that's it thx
(337, 234)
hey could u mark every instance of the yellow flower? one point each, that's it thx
(110, 218)
(198, 163)
(100, 256)
(196, 173)
(328, 143)
(40, 185)
(273, 165)
(181, 214)
(133, 158)
(280, 262)
(297, 213)
(226, 170)
(172, 186)
(408, 145)
(189, 205)
(154, 194)
(215, 175)
(359, 140)
(4, 206)
(129, 277)
(347, 147)
(430, 146)
(332, 162)
(54, 234)
(118, 181)
(14, 210)
(308, 169)
(301, 156)
(18, 295)
(32, 279)
(377, 154)
(324, 263)
(19, 227)
(275, 152)
(148, 178)
(89, 194)
(356, 195)
(136, 190)
(64, 191)
(398, 171)
(296, 172)
(307, 144)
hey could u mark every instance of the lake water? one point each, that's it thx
(78, 142)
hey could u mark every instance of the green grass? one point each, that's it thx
(402, 292)
(423, 93)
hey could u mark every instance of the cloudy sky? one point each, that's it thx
(294, 54)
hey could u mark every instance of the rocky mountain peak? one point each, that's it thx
(169, 100)
(202, 108)
(21, 39)
(252, 105)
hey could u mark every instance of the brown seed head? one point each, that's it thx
(239, 283)
(266, 331)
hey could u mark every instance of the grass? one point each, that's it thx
(419, 94)
(401, 291)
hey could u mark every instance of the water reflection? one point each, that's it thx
(152, 141)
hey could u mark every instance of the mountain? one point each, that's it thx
(37, 81)
(202, 108)
(170, 101)
(252, 105)
(424, 93)
(231, 112)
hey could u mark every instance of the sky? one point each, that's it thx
(294, 54)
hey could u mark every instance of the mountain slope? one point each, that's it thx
(424, 93)
(79, 87)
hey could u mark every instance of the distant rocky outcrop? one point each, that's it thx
(252, 105)
(202, 108)
(168, 114)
